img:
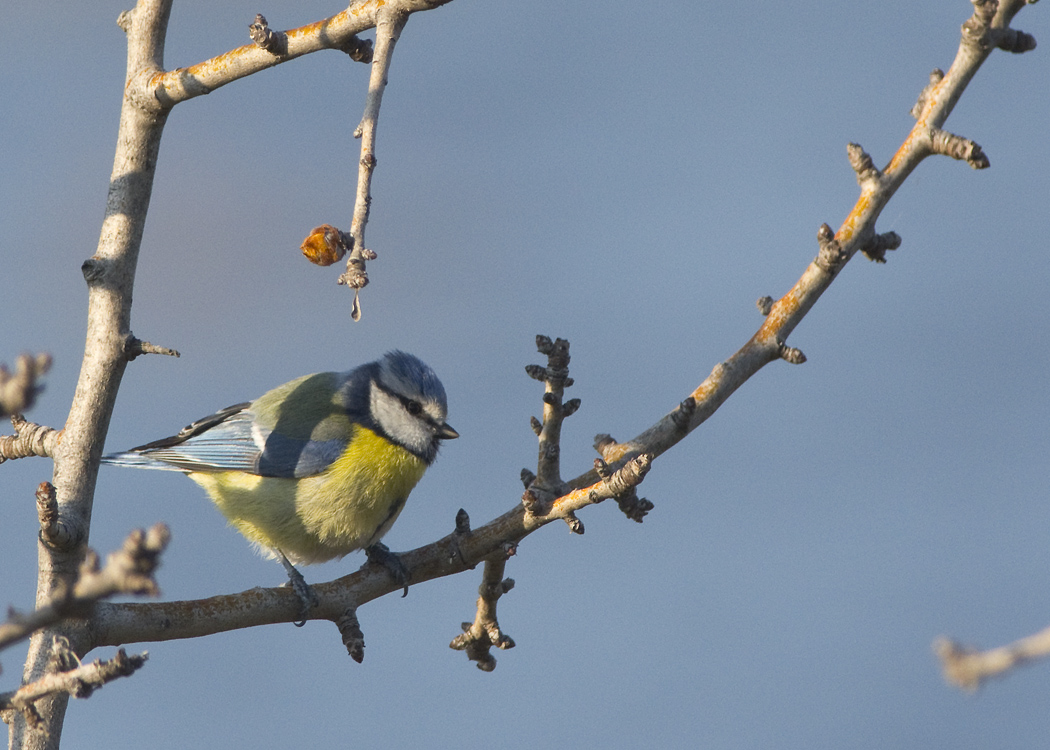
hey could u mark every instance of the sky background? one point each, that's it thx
(631, 178)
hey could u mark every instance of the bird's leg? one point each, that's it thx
(380, 554)
(301, 588)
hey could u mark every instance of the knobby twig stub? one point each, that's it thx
(968, 668)
(30, 439)
(19, 389)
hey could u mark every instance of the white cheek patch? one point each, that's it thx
(386, 409)
(397, 423)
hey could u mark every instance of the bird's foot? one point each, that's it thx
(380, 554)
(302, 589)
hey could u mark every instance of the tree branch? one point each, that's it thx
(967, 668)
(389, 24)
(118, 623)
(109, 274)
(78, 681)
(461, 550)
(987, 29)
(335, 33)
(546, 484)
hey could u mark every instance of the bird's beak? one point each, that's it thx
(446, 433)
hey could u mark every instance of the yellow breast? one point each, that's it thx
(348, 506)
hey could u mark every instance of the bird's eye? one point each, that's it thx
(413, 408)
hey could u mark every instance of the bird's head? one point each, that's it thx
(407, 402)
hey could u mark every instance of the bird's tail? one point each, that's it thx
(139, 461)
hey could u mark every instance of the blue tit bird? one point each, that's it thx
(318, 467)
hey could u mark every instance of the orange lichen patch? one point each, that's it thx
(576, 498)
(312, 28)
(849, 226)
(338, 19)
(219, 63)
(613, 453)
(784, 308)
(704, 390)
(362, 7)
(905, 149)
(930, 104)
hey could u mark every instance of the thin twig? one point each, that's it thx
(79, 681)
(968, 668)
(389, 25)
(546, 484)
(134, 347)
(986, 30)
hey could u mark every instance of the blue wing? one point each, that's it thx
(232, 440)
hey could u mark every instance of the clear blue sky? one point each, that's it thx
(631, 177)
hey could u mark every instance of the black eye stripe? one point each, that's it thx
(412, 406)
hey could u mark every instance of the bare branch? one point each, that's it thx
(134, 347)
(987, 29)
(335, 33)
(546, 484)
(479, 637)
(461, 550)
(109, 274)
(968, 668)
(152, 92)
(79, 681)
(389, 24)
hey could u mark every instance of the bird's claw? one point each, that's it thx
(307, 597)
(380, 554)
